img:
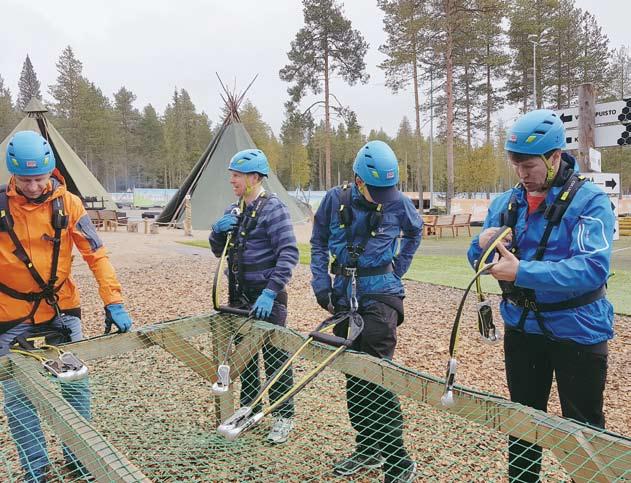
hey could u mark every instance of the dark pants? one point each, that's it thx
(581, 372)
(273, 358)
(375, 412)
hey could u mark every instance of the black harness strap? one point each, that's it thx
(553, 214)
(246, 224)
(346, 221)
(48, 289)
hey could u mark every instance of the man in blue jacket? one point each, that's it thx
(261, 262)
(361, 225)
(553, 275)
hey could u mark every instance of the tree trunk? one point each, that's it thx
(468, 103)
(488, 94)
(449, 64)
(417, 132)
(327, 120)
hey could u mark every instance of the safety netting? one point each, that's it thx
(147, 412)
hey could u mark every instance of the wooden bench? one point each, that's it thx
(112, 219)
(444, 221)
(429, 224)
(434, 224)
(462, 221)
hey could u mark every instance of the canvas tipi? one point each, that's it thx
(79, 179)
(208, 183)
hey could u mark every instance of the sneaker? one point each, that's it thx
(280, 430)
(406, 476)
(358, 461)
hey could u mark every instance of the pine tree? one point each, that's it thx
(594, 49)
(294, 168)
(66, 93)
(127, 118)
(7, 114)
(325, 46)
(619, 74)
(530, 21)
(407, 25)
(151, 139)
(28, 85)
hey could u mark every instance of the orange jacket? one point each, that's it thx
(32, 225)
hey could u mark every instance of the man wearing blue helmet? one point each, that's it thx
(369, 229)
(261, 261)
(40, 224)
(552, 275)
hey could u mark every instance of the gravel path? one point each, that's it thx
(163, 279)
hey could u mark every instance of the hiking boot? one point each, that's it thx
(406, 476)
(358, 461)
(280, 430)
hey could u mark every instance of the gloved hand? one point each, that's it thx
(225, 223)
(325, 301)
(263, 305)
(117, 315)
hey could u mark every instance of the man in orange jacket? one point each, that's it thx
(40, 222)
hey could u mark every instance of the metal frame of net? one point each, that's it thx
(154, 416)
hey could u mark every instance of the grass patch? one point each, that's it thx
(455, 271)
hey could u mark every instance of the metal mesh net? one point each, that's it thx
(148, 413)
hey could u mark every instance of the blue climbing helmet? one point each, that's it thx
(377, 165)
(536, 133)
(250, 161)
(29, 154)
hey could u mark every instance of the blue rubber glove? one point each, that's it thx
(263, 305)
(225, 223)
(117, 315)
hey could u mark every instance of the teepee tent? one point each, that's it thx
(208, 184)
(79, 179)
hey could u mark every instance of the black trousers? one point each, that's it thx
(374, 412)
(580, 371)
(273, 358)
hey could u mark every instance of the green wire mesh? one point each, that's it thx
(154, 417)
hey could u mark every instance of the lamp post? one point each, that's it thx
(534, 68)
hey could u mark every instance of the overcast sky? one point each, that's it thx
(152, 46)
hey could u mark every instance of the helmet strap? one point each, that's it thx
(251, 188)
(549, 171)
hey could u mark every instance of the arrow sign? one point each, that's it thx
(611, 135)
(609, 182)
(566, 118)
(605, 113)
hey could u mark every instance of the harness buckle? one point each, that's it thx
(531, 304)
(347, 271)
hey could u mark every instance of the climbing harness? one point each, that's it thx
(355, 250)
(48, 290)
(553, 214)
(66, 367)
(236, 211)
(486, 327)
(244, 419)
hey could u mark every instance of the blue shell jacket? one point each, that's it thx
(576, 261)
(401, 221)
